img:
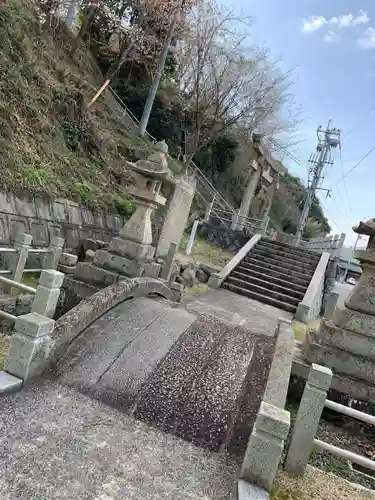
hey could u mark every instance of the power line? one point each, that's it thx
(343, 177)
(356, 165)
(367, 115)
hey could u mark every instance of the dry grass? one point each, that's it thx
(205, 252)
(51, 142)
(4, 346)
(196, 290)
(317, 485)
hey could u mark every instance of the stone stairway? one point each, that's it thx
(274, 273)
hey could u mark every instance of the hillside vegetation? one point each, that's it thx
(51, 143)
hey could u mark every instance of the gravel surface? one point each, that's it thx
(318, 485)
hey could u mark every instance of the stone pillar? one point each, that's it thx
(52, 259)
(167, 269)
(177, 216)
(249, 193)
(30, 346)
(47, 293)
(18, 260)
(266, 445)
(308, 416)
(330, 306)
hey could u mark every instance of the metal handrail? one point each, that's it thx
(350, 412)
(192, 165)
(340, 452)
(16, 284)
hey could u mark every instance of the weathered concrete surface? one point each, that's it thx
(59, 444)
(209, 386)
(201, 379)
(257, 318)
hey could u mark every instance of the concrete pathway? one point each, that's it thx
(257, 318)
(57, 444)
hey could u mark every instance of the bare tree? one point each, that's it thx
(224, 81)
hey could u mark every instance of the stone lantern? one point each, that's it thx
(346, 343)
(362, 298)
(130, 254)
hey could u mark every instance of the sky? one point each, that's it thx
(330, 46)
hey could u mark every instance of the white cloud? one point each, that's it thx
(367, 40)
(314, 23)
(331, 37)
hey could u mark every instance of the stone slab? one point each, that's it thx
(121, 383)
(355, 343)
(104, 342)
(340, 361)
(131, 249)
(99, 453)
(118, 264)
(198, 388)
(256, 317)
(9, 383)
(91, 274)
(355, 321)
(247, 491)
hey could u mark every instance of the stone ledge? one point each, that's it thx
(9, 383)
(247, 491)
(216, 279)
(356, 343)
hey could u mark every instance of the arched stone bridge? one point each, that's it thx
(185, 370)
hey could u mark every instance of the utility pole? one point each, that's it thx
(328, 139)
(159, 71)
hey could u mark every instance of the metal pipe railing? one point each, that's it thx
(346, 455)
(350, 412)
(8, 316)
(16, 284)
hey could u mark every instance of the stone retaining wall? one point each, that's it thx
(44, 219)
(225, 238)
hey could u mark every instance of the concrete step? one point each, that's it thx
(270, 255)
(265, 299)
(255, 284)
(272, 280)
(261, 289)
(301, 250)
(286, 253)
(285, 267)
(261, 272)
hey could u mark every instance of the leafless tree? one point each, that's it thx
(225, 81)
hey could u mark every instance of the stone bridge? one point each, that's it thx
(196, 371)
(130, 373)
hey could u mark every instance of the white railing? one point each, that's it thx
(309, 413)
(341, 452)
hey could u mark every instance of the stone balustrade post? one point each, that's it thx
(30, 346)
(167, 268)
(52, 259)
(308, 417)
(17, 260)
(47, 293)
(266, 445)
(330, 306)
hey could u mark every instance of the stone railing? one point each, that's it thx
(311, 304)
(309, 413)
(271, 428)
(32, 334)
(17, 256)
(331, 244)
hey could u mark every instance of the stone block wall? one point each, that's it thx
(43, 219)
(225, 238)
